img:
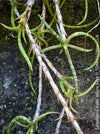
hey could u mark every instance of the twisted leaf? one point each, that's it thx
(70, 90)
(94, 40)
(15, 120)
(82, 26)
(23, 51)
(10, 28)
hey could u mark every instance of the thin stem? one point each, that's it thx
(54, 17)
(51, 66)
(37, 112)
(72, 68)
(59, 16)
(59, 122)
(63, 33)
(98, 4)
(54, 86)
(29, 5)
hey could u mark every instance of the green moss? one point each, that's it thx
(68, 13)
(91, 4)
(78, 4)
(37, 8)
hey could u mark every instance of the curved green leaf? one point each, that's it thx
(17, 119)
(82, 26)
(86, 12)
(94, 40)
(10, 28)
(23, 51)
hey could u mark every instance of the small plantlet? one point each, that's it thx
(6, 38)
